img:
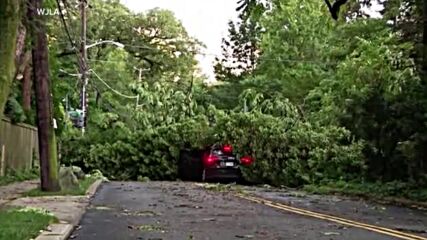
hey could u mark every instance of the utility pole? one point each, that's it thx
(45, 123)
(83, 68)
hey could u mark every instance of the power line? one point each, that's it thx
(65, 24)
(67, 32)
(112, 89)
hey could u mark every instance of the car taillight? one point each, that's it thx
(210, 160)
(227, 149)
(246, 160)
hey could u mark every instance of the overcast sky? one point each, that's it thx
(206, 20)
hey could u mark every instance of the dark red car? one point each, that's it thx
(217, 162)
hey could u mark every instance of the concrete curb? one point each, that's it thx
(93, 188)
(62, 231)
(59, 231)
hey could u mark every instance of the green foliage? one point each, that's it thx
(293, 46)
(13, 110)
(361, 75)
(377, 95)
(313, 101)
(145, 149)
(240, 54)
(287, 149)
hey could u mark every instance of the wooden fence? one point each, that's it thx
(18, 146)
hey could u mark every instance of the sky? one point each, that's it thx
(206, 20)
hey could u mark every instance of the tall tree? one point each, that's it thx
(26, 85)
(425, 42)
(241, 47)
(9, 23)
(294, 46)
(46, 132)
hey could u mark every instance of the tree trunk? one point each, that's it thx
(425, 41)
(46, 132)
(424, 68)
(26, 87)
(21, 57)
(9, 23)
(20, 45)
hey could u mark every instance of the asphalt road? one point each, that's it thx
(184, 211)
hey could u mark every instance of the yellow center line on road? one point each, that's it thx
(343, 221)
